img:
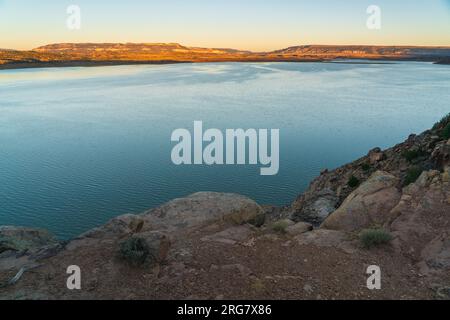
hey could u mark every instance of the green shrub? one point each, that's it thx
(134, 250)
(412, 175)
(374, 237)
(410, 155)
(446, 132)
(443, 123)
(365, 166)
(280, 226)
(353, 182)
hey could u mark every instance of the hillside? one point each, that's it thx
(67, 54)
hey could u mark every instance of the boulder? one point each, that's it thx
(203, 208)
(317, 208)
(193, 211)
(299, 228)
(375, 155)
(367, 206)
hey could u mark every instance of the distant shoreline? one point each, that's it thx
(62, 64)
(65, 64)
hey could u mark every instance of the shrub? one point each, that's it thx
(443, 123)
(258, 286)
(446, 132)
(134, 250)
(280, 226)
(412, 154)
(412, 175)
(374, 237)
(353, 182)
(365, 166)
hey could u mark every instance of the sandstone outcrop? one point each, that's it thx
(204, 207)
(368, 206)
(421, 222)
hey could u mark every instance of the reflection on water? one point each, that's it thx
(81, 145)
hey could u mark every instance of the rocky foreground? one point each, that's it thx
(390, 208)
(96, 54)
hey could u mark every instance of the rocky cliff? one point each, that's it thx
(390, 208)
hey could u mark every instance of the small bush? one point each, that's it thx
(412, 175)
(374, 237)
(353, 182)
(443, 123)
(280, 226)
(446, 132)
(410, 155)
(365, 167)
(258, 220)
(134, 250)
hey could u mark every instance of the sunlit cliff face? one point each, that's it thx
(175, 52)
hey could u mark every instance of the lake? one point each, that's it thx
(79, 146)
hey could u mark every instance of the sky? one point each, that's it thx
(258, 25)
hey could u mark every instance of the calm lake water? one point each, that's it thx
(79, 146)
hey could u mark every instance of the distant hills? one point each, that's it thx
(367, 51)
(65, 54)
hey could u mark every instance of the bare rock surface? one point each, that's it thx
(421, 222)
(327, 238)
(317, 206)
(369, 205)
(299, 228)
(231, 235)
(202, 208)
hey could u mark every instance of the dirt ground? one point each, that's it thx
(259, 265)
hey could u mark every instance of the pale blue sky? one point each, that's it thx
(241, 24)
